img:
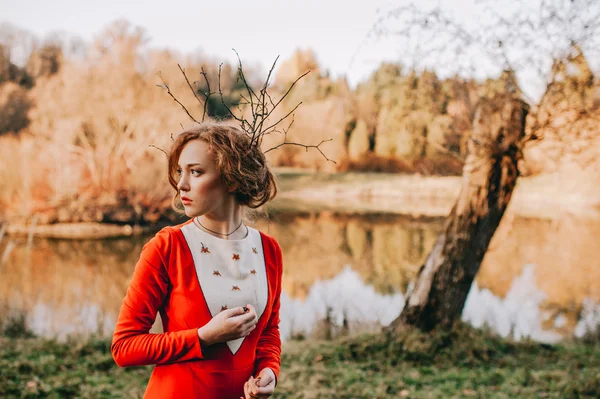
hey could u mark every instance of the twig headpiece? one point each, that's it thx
(261, 106)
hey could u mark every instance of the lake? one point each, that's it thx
(344, 273)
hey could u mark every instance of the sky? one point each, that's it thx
(259, 30)
(338, 31)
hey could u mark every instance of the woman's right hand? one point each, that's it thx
(228, 325)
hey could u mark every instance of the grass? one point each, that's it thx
(463, 363)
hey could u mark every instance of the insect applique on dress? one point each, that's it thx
(204, 250)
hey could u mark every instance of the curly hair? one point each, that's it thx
(243, 167)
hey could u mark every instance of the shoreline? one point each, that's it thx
(416, 197)
(79, 231)
(542, 196)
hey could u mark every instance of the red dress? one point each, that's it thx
(165, 281)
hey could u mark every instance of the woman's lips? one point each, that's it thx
(186, 200)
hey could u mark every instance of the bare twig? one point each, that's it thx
(283, 118)
(261, 106)
(242, 121)
(165, 86)
(288, 92)
(264, 94)
(207, 94)
(190, 85)
(251, 93)
(305, 146)
(158, 148)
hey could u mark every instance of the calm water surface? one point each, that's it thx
(343, 274)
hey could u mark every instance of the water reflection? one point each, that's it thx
(343, 274)
(520, 314)
(67, 287)
(386, 250)
(350, 306)
(342, 305)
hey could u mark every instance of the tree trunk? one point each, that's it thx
(489, 177)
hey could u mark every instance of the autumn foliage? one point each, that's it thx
(75, 132)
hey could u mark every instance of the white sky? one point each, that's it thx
(259, 30)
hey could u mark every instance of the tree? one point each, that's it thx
(45, 61)
(14, 108)
(524, 40)
(490, 174)
(523, 36)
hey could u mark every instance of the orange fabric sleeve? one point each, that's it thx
(132, 344)
(268, 349)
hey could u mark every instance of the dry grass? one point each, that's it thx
(62, 182)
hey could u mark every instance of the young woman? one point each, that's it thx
(215, 281)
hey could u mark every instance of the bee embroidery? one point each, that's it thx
(216, 273)
(236, 257)
(235, 288)
(224, 307)
(252, 271)
(254, 250)
(204, 249)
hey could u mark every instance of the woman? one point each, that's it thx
(215, 281)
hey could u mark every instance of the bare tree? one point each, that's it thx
(524, 36)
(489, 178)
(526, 40)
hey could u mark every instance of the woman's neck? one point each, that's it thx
(228, 226)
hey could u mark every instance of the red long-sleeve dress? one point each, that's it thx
(169, 278)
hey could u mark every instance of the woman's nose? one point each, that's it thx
(183, 184)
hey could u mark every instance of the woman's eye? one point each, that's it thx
(196, 172)
(178, 171)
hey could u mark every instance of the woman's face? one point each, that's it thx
(201, 188)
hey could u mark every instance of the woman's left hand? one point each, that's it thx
(260, 387)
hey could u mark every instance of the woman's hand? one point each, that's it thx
(260, 387)
(228, 325)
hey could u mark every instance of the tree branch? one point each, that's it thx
(165, 86)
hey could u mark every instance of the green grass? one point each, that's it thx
(39, 368)
(462, 363)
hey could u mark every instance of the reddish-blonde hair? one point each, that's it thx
(243, 167)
